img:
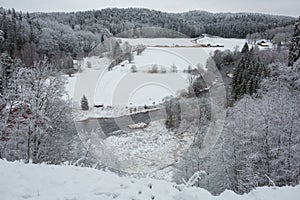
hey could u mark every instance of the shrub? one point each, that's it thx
(154, 69)
(133, 68)
(163, 70)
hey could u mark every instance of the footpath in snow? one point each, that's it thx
(44, 182)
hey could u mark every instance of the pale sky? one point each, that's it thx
(278, 7)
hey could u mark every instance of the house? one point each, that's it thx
(262, 44)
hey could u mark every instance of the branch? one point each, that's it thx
(194, 178)
(271, 181)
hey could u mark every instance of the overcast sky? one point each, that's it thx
(279, 7)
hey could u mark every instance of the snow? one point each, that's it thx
(84, 83)
(120, 88)
(161, 56)
(230, 75)
(137, 126)
(149, 150)
(159, 41)
(124, 88)
(47, 182)
(228, 43)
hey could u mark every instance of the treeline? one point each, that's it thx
(235, 25)
(191, 23)
(64, 36)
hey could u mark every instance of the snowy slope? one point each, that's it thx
(41, 182)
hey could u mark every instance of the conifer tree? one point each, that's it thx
(6, 70)
(245, 48)
(84, 103)
(295, 44)
(248, 74)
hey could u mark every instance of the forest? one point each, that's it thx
(62, 37)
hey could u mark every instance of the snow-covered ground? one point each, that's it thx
(228, 43)
(121, 88)
(43, 182)
(159, 41)
(150, 150)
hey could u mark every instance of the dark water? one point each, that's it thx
(118, 125)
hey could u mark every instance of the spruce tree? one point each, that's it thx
(6, 70)
(84, 103)
(295, 44)
(238, 75)
(245, 48)
(247, 75)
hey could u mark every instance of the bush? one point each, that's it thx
(163, 70)
(70, 71)
(174, 68)
(154, 69)
(140, 48)
(133, 68)
(89, 64)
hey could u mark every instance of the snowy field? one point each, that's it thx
(120, 88)
(228, 43)
(42, 182)
(159, 41)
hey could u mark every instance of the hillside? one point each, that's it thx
(43, 182)
(192, 24)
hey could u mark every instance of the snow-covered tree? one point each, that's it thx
(265, 143)
(260, 142)
(295, 44)
(35, 118)
(248, 74)
(133, 69)
(140, 48)
(174, 68)
(173, 111)
(84, 103)
(245, 48)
